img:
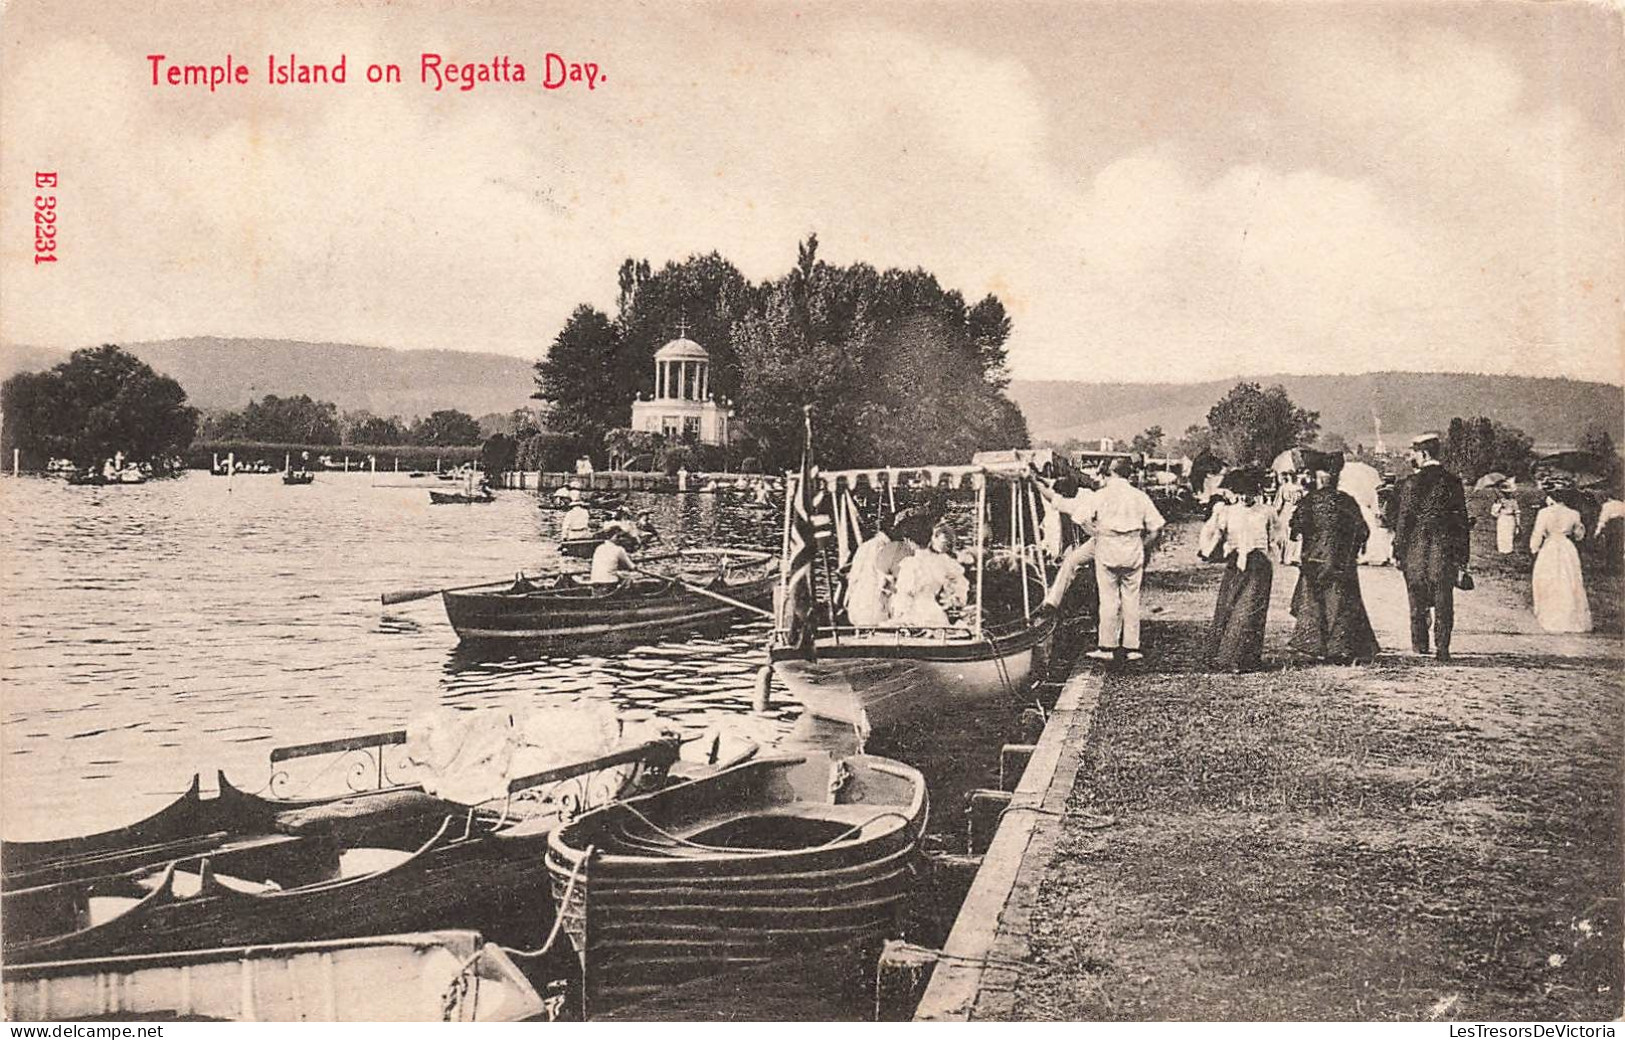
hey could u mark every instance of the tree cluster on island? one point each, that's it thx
(300, 420)
(899, 370)
(100, 403)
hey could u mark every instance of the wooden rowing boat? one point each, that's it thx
(298, 477)
(188, 825)
(426, 977)
(756, 863)
(393, 860)
(569, 610)
(878, 680)
(458, 498)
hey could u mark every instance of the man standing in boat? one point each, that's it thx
(1126, 524)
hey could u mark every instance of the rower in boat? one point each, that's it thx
(610, 561)
(577, 522)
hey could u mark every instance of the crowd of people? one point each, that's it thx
(1310, 522)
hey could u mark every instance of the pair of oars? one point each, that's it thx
(409, 595)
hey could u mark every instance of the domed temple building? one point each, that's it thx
(683, 406)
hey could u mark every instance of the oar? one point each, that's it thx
(408, 595)
(703, 591)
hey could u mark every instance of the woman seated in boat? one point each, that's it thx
(610, 561)
(870, 579)
(930, 582)
(577, 522)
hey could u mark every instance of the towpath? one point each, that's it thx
(1409, 840)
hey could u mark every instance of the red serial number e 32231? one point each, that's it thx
(44, 221)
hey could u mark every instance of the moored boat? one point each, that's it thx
(298, 477)
(390, 860)
(566, 609)
(879, 677)
(759, 862)
(425, 977)
(877, 680)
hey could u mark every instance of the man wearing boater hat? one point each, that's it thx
(1430, 544)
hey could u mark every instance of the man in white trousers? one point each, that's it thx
(1126, 525)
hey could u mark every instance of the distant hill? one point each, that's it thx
(228, 373)
(1552, 411)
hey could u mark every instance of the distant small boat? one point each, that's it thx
(568, 610)
(757, 863)
(424, 977)
(595, 502)
(459, 498)
(298, 477)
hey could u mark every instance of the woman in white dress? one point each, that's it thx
(1560, 595)
(928, 582)
(1505, 511)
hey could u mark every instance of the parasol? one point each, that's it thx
(1490, 479)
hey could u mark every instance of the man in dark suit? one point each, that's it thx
(1430, 544)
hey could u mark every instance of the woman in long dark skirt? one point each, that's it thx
(1242, 530)
(1332, 622)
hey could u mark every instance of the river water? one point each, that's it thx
(181, 626)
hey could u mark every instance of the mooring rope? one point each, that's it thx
(679, 839)
(1090, 821)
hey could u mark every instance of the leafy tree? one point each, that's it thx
(446, 428)
(555, 452)
(291, 420)
(1474, 447)
(1195, 442)
(578, 377)
(499, 453)
(1147, 443)
(1251, 426)
(1333, 442)
(623, 444)
(99, 402)
(1600, 442)
(379, 433)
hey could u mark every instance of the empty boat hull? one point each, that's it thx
(646, 911)
(429, 977)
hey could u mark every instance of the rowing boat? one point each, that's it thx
(427, 977)
(566, 609)
(393, 860)
(188, 825)
(458, 498)
(756, 863)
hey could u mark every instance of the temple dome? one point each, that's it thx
(682, 349)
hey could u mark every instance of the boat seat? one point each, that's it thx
(391, 808)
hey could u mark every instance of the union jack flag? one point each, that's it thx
(811, 529)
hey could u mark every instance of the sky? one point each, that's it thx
(1157, 191)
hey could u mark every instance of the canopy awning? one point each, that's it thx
(914, 476)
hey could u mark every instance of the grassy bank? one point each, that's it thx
(1405, 841)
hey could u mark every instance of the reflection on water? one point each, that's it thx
(157, 630)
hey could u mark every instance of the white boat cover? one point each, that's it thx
(469, 756)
